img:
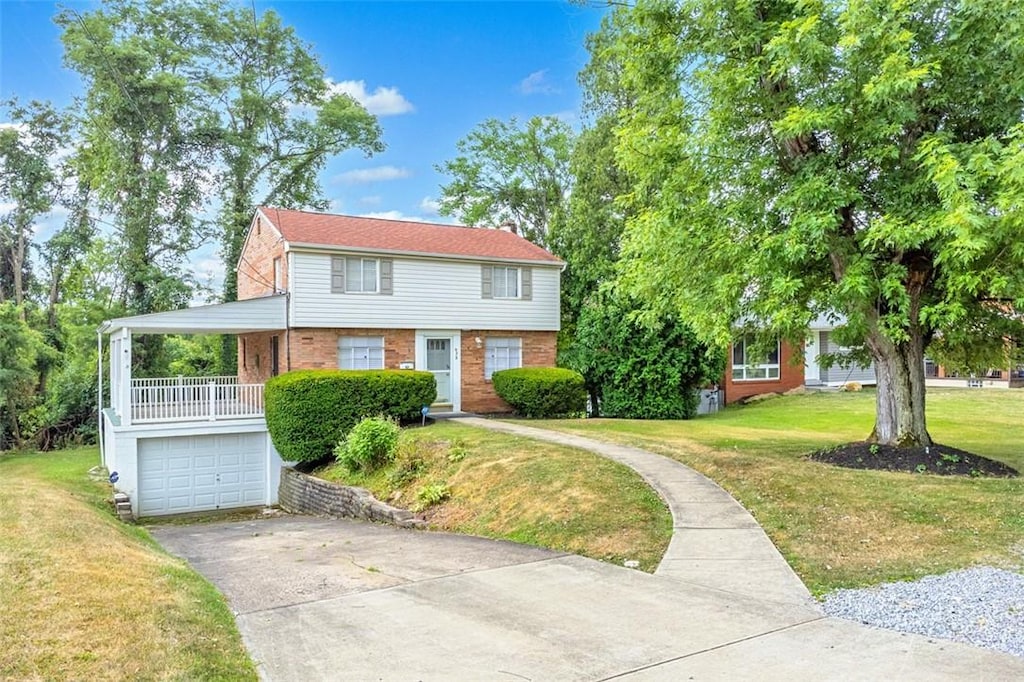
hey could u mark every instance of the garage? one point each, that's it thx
(179, 474)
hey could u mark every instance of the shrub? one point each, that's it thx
(309, 411)
(541, 391)
(369, 445)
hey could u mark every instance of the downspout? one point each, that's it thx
(288, 331)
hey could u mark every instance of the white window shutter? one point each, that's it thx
(526, 284)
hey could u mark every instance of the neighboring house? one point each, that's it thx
(747, 376)
(323, 291)
(820, 340)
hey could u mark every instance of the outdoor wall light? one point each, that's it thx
(479, 342)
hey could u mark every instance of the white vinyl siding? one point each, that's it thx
(427, 293)
(502, 354)
(841, 375)
(505, 282)
(747, 368)
(361, 352)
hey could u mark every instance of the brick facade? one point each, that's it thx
(256, 265)
(790, 376)
(477, 393)
(309, 348)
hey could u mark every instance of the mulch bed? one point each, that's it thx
(935, 459)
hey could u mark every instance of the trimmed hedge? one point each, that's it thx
(309, 411)
(541, 391)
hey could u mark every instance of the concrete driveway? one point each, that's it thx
(320, 599)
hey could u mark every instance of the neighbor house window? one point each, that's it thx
(359, 275)
(746, 367)
(278, 275)
(506, 282)
(502, 354)
(361, 352)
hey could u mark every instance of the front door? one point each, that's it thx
(439, 363)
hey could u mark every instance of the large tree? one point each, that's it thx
(146, 148)
(507, 173)
(275, 118)
(30, 184)
(796, 158)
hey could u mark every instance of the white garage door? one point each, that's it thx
(198, 473)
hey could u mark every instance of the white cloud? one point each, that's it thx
(430, 206)
(392, 215)
(371, 200)
(537, 83)
(381, 102)
(378, 174)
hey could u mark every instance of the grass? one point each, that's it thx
(86, 597)
(511, 488)
(842, 527)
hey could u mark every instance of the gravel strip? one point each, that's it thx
(981, 606)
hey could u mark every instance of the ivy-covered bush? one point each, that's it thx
(541, 391)
(309, 411)
(369, 445)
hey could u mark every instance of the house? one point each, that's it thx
(323, 291)
(782, 371)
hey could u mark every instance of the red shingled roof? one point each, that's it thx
(304, 227)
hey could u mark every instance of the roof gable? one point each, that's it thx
(378, 234)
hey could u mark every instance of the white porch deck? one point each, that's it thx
(185, 399)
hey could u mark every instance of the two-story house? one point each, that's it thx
(366, 293)
(321, 291)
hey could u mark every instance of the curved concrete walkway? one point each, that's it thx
(715, 543)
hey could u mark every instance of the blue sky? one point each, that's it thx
(430, 70)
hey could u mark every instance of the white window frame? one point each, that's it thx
(498, 354)
(349, 282)
(361, 352)
(278, 275)
(506, 271)
(764, 371)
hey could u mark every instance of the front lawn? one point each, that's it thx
(86, 597)
(843, 527)
(507, 487)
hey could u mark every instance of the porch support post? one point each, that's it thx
(99, 396)
(126, 376)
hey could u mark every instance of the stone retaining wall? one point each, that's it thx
(302, 494)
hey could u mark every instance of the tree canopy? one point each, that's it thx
(861, 159)
(506, 173)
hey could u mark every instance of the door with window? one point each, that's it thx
(439, 363)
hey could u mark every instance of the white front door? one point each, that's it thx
(439, 363)
(811, 351)
(438, 353)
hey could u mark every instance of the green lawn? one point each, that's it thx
(841, 527)
(86, 597)
(507, 487)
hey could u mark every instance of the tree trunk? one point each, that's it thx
(899, 368)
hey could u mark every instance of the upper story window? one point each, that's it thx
(278, 275)
(745, 367)
(359, 275)
(361, 352)
(506, 281)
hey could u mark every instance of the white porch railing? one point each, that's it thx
(179, 399)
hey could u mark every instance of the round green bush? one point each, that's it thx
(369, 445)
(309, 411)
(541, 392)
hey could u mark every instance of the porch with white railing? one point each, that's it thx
(183, 399)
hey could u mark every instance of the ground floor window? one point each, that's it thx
(361, 352)
(502, 353)
(745, 367)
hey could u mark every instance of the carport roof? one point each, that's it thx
(238, 317)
